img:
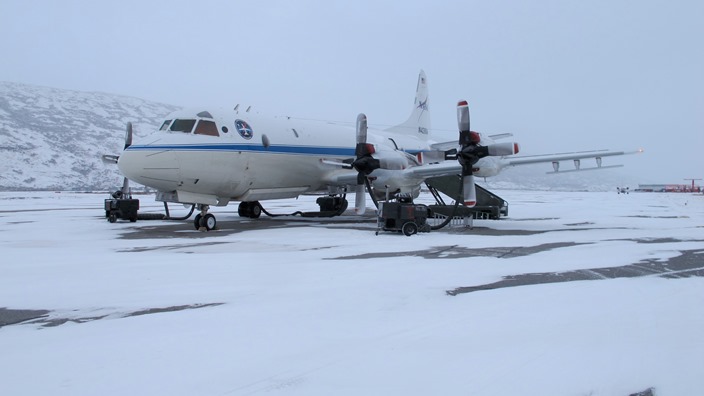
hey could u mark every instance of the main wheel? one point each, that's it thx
(208, 221)
(409, 228)
(243, 209)
(255, 210)
(196, 221)
(342, 207)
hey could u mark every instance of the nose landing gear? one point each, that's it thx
(204, 221)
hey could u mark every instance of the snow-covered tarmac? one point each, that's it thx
(613, 305)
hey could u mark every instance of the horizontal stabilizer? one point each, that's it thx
(501, 136)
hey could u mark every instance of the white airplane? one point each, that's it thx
(212, 158)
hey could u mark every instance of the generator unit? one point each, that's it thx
(402, 215)
(121, 206)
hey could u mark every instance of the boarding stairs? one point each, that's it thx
(489, 205)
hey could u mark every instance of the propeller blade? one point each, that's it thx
(360, 204)
(125, 187)
(469, 191)
(128, 135)
(505, 148)
(463, 117)
(361, 128)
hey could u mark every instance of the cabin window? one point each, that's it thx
(182, 126)
(165, 125)
(207, 128)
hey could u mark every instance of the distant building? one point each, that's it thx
(667, 188)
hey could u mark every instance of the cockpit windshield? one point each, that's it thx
(182, 126)
(165, 125)
(206, 127)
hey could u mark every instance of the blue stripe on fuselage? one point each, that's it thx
(299, 150)
(277, 149)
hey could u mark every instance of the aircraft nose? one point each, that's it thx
(129, 165)
(156, 169)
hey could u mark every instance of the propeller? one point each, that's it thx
(112, 159)
(128, 142)
(471, 151)
(364, 163)
(468, 154)
(128, 136)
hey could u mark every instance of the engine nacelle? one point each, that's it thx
(506, 148)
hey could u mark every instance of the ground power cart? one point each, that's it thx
(121, 207)
(403, 216)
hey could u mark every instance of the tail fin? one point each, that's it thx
(418, 123)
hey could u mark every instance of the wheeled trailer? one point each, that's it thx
(403, 216)
(121, 208)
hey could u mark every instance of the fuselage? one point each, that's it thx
(241, 156)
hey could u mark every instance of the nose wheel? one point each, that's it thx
(204, 221)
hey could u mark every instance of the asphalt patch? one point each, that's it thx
(185, 229)
(169, 247)
(14, 316)
(688, 264)
(456, 251)
(43, 317)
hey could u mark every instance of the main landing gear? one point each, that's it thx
(330, 206)
(204, 221)
(250, 209)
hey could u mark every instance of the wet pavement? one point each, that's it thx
(14, 316)
(689, 263)
(47, 318)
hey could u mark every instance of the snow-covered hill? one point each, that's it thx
(52, 139)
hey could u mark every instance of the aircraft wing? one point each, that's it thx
(574, 156)
(432, 170)
(542, 158)
(417, 174)
(414, 174)
(342, 179)
(453, 167)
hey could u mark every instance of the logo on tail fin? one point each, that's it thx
(423, 106)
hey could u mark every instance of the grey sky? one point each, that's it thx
(560, 75)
